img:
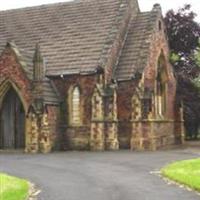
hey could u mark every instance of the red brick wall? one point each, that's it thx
(159, 44)
(163, 130)
(125, 92)
(76, 137)
(53, 113)
(11, 70)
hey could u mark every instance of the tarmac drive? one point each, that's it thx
(120, 175)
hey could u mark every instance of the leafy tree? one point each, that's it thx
(184, 33)
(197, 55)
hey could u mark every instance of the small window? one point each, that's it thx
(74, 106)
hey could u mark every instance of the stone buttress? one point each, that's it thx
(104, 131)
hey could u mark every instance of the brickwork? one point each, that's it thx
(124, 104)
(13, 72)
(111, 134)
(119, 100)
(111, 122)
(40, 129)
(39, 133)
(158, 47)
(32, 134)
(53, 115)
(97, 136)
(104, 127)
(76, 137)
(153, 131)
(45, 142)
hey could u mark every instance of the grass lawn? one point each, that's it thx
(185, 172)
(12, 188)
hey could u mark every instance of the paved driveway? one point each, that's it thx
(119, 175)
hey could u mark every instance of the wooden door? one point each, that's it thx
(12, 122)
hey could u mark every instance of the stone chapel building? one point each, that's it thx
(86, 75)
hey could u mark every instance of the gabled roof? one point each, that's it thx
(76, 37)
(135, 52)
(24, 58)
(71, 35)
(50, 94)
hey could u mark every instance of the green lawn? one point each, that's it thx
(185, 172)
(12, 188)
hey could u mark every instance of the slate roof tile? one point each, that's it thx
(71, 34)
(136, 48)
(74, 37)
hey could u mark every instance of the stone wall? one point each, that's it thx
(117, 116)
(159, 46)
(124, 104)
(76, 137)
(152, 134)
(124, 134)
(98, 129)
(40, 131)
(41, 128)
(140, 125)
(12, 72)
(53, 114)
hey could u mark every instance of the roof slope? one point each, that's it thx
(135, 52)
(25, 59)
(71, 35)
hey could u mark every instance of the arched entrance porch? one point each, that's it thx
(12, 121)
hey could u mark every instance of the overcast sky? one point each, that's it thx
(144, 4)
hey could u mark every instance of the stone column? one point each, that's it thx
(45, 142)
(136, 139)
(97, 137)
(136, 142)
(111, 123)
(32, 133)
(111, 131)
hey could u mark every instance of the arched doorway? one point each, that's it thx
(12, 122)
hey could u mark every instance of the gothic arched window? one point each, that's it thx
(75, 106)
(161, 87)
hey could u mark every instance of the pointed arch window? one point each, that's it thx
(161, 87)
(75, 106)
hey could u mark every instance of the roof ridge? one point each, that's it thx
(139, 62)
(133, 18)
(115, 31)
(131, 60)
(71, 37)
(68, 2)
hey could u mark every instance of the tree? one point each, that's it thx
(183, 31)
(183, 34)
